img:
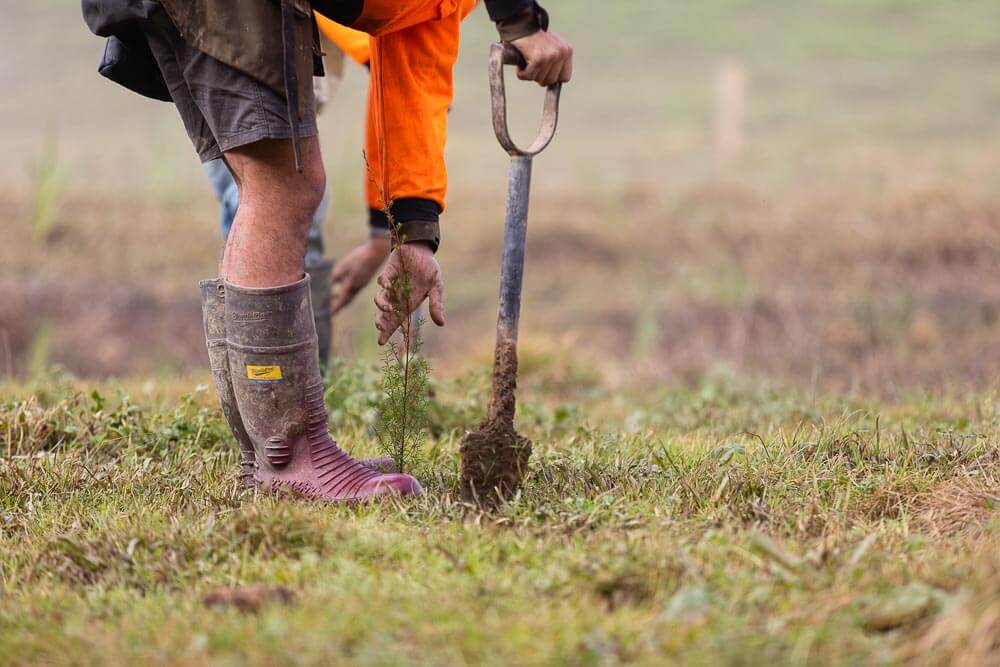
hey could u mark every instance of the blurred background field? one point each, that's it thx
(851, 244)
(758, 352)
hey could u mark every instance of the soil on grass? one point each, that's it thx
(248, 598)
(495, 456)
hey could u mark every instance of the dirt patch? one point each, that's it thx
(495, 456)
(248, 598)
(98, 330)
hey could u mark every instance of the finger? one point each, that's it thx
(528, 73)
(340, 300)
(388, 275)
(567, 68)
(382, 301)
(548, 68)
(550, 74)
(567, 71)
(340, 272)
(436, 308)
(386, 323)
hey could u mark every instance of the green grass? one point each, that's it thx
(49, 182)
(706, 520)
(725, 524)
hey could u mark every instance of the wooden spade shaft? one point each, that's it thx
(511, 281)
(515, 225)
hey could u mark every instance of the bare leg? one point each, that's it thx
(268, 239)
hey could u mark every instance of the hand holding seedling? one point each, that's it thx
(356, 270)
(412, 275)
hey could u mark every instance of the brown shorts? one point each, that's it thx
(222, 107)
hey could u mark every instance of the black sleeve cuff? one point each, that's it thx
(528, 22)
(502, 9)
(378, 222)
(416, 220)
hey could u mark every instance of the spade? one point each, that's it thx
(495, 456)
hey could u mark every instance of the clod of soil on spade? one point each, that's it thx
(495, 456)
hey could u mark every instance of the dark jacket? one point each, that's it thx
(216, 27)
(127, 59)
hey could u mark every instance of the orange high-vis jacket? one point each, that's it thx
(354, 43)
(414, 49)
(411, 47)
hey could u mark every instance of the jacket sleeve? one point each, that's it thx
(504, 9)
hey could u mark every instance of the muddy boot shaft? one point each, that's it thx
(320, 275)
(213, 310)
(273, 356)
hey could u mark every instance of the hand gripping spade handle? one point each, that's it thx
(519, 186)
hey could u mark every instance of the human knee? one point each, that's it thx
(267, 178)
(304, 189)
(310, 187)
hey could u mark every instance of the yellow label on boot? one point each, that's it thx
(264, 372)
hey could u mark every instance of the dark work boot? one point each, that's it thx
(213, 310)
(271, 338)
(320, 275)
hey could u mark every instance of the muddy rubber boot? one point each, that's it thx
(321, 292)
(320, 275)
(213, 311)
(272, 344)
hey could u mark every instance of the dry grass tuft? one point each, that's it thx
(958, 506)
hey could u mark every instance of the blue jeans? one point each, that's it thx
(229, 200)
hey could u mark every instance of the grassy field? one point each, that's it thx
(763, 396)
(719, 525)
